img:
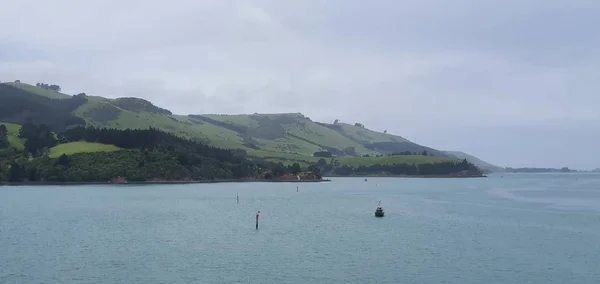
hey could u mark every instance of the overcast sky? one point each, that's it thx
(514, 82)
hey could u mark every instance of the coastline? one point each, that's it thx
(45, 183)
(168, 182)
(409, 176)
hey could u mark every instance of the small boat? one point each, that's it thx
(379, 211)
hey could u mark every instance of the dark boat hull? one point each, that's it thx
(379, 212)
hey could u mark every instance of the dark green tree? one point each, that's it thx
(278, 170)
(314, 169)
(63, 160)
(32, 174)
(3, 136)
(38, 138)
(2, 174)
(295, 168)
(325, 154)
(16, 172)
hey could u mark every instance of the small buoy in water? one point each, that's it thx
(365, 179)
(257, 213)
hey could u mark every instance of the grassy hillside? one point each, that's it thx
(297, 134)
(390, 160)
(284, 136)
(13, 136)
(80, 147)
(19, 106)
(39, 91)
(486, 167)
(290, 133)
(102, 112)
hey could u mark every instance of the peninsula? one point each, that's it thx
(48, 137)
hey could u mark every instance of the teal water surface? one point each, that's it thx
(527, 228)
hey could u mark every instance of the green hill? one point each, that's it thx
(484, 166)
(286, 137)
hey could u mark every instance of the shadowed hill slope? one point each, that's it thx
(484, 166)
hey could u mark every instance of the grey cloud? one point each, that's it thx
(418, 68)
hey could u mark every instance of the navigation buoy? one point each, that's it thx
(257, 213)
(238, 198)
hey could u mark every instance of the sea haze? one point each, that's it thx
(515, 228)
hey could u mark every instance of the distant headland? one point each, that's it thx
(50, 137)
(541, 170)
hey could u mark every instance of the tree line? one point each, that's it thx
(52, 87)
(332, 166)
(404, 153)
(38, 138)
(3, 136)
(539, 170)
(427, 169)
(146, 155)
(328, 154)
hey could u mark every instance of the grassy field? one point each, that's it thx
(239, 119)
(284, 158)
(366, 135)
(390, 160)
(13, 136)
(39, 91)
(324, 136)
(80, 147)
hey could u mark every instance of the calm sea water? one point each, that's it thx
(513, 229)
